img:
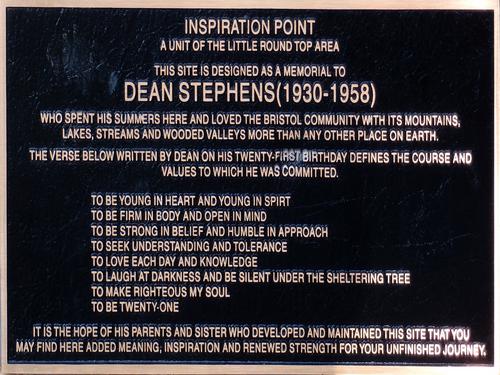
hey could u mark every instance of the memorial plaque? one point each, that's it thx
(249, 187)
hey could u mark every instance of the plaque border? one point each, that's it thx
(86, 368)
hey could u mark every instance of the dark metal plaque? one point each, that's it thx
(248, 190)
